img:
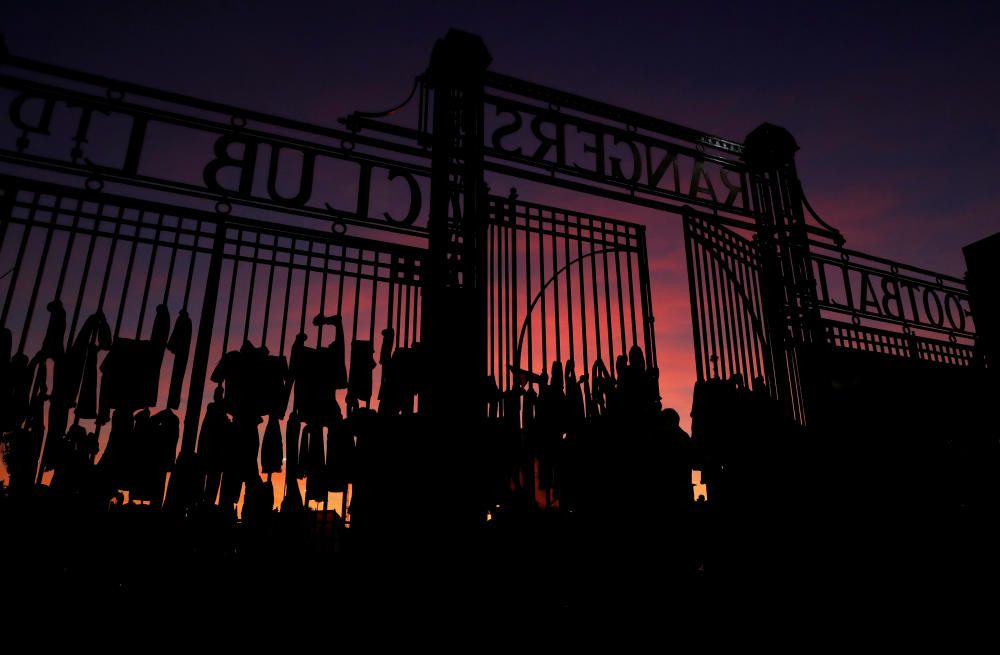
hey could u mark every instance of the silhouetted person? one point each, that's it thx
(491, 392)
(551, 422)
(675, 461)
(241, 461)
(166, 433)
(140, 459)
(76, 376)
(160, 334)
(316, 486)
(318, 374)
(339, 456)
(574, 396)
(601, 384)
(213, 440)
(179, 344)
(131, 376)
(6, 345)
(292, 500)
(359, 383)
(55, 333)
(115, 462)
(271, 447)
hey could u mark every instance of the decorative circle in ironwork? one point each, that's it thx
(237, 121)
(223, 207)
(347, 144)
(338, 227)
(94, 184)
(115, 95)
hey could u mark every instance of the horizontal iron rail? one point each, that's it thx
(597, 108)
(182, 99)
(882, 260)
(13, 184)
(194, 191)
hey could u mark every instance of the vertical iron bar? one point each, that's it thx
(583, 297)
(607, 307)
(631, 286)
(646, 297)
(203, 343)
(173, 261)
(322, 287)
(621, 300)
(541, 290)
(406, 320)
(69, 249)
(527, 290)
(88, 260)
(149, 272)
(288, 291)
(19, 259)
(38, 278)
(374, 301)
(253, 285)
(491, 296)
(513, 326)
(194, 258)
(111, 259)
(569, 288)
(593, 282)
(555, 289)
(694, 298)
(270, 291)
(232, 291)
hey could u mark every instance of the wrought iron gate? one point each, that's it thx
(564, 286)
(252, 242)
(727, 313)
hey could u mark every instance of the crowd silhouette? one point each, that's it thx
(595, 444)
(564, 468)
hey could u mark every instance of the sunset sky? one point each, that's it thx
(894, 105)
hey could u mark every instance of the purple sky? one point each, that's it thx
(893, 104)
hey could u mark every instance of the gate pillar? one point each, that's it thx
(787, 281)
(453, 330)
(454, 311)
(983, 279)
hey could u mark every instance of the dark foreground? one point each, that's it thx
(692, 573)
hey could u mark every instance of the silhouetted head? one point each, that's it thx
(219, 394)
(635, 358)
(54, 306)
(570, 371)
(671, 417)
(557, 374)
